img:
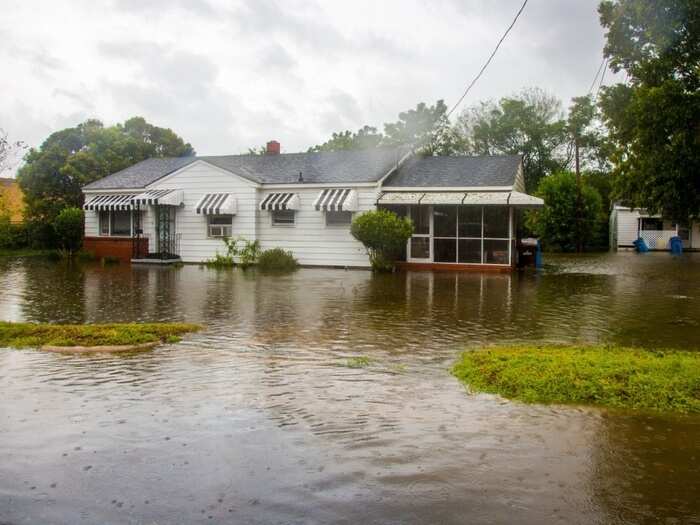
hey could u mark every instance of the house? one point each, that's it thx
(629, 224)
(181, 208)
(11, 199)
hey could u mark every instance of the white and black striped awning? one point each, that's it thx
(160, 198)
(111, 201)
(217, 204)
(280, 201)
(337, 199)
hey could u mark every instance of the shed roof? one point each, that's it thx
(456, 171)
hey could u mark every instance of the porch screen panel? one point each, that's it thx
(496, 234)
(445, 234)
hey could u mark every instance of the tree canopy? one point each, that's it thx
(654, 117)
(530, 124)
(53, 174)
(559, 223)
(426, 128)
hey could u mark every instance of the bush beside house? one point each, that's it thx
(384, 235)
(556, 224)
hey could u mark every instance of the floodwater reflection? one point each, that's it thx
(257, 419)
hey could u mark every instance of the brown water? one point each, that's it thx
(258, 419)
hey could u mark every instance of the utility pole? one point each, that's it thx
(579, 244)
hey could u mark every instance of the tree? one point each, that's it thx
(53, 174)
(366, 137)
(654, 118)
(384, 234)
(557, 222)
(10, 151)
(68, 226)
(529, 124)
(426, 129)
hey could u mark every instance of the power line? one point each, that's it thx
(600, 67)
(481, 72)
(602, 77)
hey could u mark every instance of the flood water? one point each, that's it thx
(259, 418)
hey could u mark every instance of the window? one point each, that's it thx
(282, 217)
(121, 222)
(220, 225)
(104, 222)
(115, 223)
(338, 218)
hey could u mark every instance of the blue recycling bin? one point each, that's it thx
(640, 245)
(676, 245)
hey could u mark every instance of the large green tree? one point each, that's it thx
(530, 124)
(654, 117)
(53, 174)
(425, 128)
(566, 222)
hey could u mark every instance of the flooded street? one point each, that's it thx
(260, 419)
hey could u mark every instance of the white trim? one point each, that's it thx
(315, 185)
(208, 164)
(395, 167)
(445, 188)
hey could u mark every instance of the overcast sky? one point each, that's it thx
(227, 75)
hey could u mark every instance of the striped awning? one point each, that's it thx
(337, 199)
(476, 198)
(217, 204)
(111, 201)
(160, 198)
(281, 201)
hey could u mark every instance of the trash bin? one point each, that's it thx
(676, 245)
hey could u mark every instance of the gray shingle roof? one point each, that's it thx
(456, 172)
(325, 167)
(140, 174)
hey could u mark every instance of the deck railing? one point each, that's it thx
(657, 239)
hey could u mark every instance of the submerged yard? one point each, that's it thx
(325, 395)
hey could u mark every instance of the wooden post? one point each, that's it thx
(579, 244)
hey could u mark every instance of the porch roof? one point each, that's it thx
(477, 198)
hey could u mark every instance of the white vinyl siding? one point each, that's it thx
(196, 180)
(310, 240)
(627, 227)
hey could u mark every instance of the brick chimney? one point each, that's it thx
(273, 148)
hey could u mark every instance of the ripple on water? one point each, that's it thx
(259, 416)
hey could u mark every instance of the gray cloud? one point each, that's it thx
(230, 74)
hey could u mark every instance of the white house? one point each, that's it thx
(629, 224)
(181, 208)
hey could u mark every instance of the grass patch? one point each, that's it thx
(608, 376)
(358, 362)
(28, 335)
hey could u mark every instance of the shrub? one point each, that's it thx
(247, 253)
(69, 229)
(12, 236)
(277, 259)
(556, 223)
(384, 235)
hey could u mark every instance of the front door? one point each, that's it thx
(420, 246)
(165, 230)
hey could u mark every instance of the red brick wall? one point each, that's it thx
(113, 247)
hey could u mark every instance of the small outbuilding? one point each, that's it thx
(629, 224)
(464, 209)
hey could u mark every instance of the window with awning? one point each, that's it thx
(159, 198)
(109, 202)
(337, 199)
(280, 201)
(217, 204)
